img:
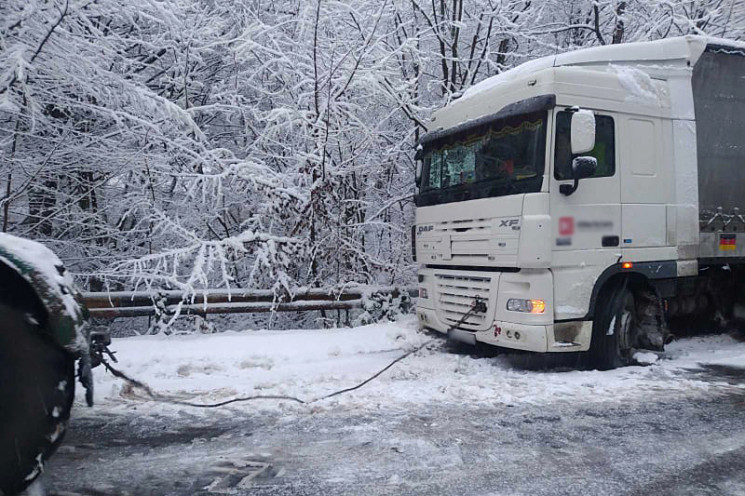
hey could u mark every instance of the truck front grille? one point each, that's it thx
(455, 296)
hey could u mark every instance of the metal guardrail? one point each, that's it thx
(110, 305)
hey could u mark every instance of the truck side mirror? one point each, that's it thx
(583, 131)
(582, 168)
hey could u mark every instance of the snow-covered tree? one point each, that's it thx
(191, 143)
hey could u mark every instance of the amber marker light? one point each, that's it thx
(627, 265)
(537, 306)
(526, 306)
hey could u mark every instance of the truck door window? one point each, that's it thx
(604, 151)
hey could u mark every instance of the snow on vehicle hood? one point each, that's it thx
(46, 273)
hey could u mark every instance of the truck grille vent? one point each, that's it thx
(455, 295)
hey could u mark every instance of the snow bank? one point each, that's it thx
(645, 357)
(312, 363)
(304, 363)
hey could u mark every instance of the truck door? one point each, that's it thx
(647, 190)
(587, 223)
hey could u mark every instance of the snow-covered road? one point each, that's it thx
(309, 364)
(440, 422)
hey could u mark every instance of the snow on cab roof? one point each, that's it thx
(683, 48)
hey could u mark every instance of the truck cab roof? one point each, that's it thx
(631, 76)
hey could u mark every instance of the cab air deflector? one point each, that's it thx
(527, 106)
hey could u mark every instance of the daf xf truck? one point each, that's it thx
(589, 201)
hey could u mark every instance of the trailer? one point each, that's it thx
(592, 199)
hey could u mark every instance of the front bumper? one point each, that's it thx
(450, 293)
(505, 334)
(552, 338)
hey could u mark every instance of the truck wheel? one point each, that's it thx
(37, 387)
(613, 330)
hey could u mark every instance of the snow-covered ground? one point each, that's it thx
(441, 421)
(309, 364)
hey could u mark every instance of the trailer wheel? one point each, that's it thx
(37, 388)
(613, 330)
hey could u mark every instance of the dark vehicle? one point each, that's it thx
(42, 335)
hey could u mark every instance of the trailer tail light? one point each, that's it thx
(526, 306)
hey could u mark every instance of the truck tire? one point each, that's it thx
(613, 330)
(37, 388)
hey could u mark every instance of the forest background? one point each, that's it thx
(257, 143)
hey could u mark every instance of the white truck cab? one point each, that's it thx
(590, 199)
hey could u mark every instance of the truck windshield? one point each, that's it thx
(501, 158)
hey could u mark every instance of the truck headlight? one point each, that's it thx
(526, 306)
(423, 293)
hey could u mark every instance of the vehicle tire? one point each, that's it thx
(613, 330)
(37, 388)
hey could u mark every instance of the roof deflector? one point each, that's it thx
(527, 106)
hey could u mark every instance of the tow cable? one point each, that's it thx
(100, 351)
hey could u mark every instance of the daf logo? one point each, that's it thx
(509, 222)
(423, 229)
